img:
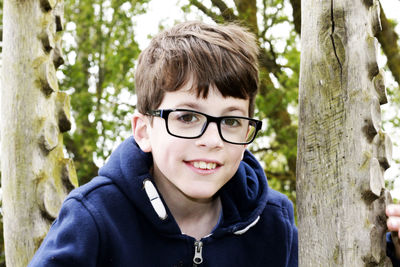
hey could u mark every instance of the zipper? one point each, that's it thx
(198, 249)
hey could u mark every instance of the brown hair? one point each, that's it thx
(220, 55)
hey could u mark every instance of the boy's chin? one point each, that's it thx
(200, 195)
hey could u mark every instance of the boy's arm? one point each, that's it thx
(73, 239)
(393, 224)
(293, 258)
(391, 240)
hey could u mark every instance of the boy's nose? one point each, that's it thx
(210, 137)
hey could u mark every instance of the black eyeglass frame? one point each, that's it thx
(164, 113)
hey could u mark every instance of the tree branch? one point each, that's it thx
(226, 13)
(248, 13)
(206, 11)
(269, 64)
(388, 39)
(296, 7)
(282, 176)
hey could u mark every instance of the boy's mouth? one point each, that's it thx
(204, 165)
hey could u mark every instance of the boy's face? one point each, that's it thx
(196, 168)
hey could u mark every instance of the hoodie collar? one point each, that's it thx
(243, 197)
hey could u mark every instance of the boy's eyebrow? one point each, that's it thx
(195, 106)
(191, 105)
(234, 108)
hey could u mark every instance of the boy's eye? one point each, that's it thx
(188, 117)
(232, 122)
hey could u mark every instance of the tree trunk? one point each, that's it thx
(35, 175)
(342, 151)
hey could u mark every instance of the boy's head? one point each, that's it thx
(196, 85)
(224, 56)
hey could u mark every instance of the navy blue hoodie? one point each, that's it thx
(111, 222)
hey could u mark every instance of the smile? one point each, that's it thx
(204, 165)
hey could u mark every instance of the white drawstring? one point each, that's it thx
(240, 232)
(155, 199)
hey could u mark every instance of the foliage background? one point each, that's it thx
(103, 39)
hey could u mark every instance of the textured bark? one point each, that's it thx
(35, 175)
(388, 38)
(342, 151)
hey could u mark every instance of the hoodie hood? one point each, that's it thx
(243, 197)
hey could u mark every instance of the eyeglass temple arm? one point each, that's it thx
(157, 113)
(259, 125)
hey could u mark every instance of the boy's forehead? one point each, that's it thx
(190, 88)
(191, 92)
(187, 97)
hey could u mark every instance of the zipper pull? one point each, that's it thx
(198, 257)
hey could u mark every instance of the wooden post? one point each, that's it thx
(35, 175)
(342, 151)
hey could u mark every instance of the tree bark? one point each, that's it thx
(388, 38)
(35, 175)
(342, 151)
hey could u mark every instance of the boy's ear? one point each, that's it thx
(140, 129)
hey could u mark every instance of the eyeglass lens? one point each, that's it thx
(192, 124)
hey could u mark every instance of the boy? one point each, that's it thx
(184, 191)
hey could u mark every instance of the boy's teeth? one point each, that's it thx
(204, 165)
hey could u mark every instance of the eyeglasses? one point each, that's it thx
(190, 124)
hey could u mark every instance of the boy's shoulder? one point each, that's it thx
(280, 202)
(100, 197)
(277, 198)
(95, 186)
